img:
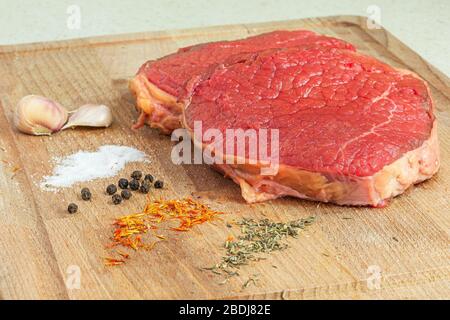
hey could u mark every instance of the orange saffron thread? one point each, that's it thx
(129, 229)
(113, 262)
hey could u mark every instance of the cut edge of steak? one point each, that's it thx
(158, 108)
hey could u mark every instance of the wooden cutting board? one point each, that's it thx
(42, 247)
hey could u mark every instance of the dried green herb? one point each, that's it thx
(253, 279)
(257, 238)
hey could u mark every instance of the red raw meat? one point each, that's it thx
(352, 129)
(160, 86)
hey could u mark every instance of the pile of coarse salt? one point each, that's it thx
(83, 166)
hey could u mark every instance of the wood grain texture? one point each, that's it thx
(408, 240)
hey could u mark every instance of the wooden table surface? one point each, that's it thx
(42, 247)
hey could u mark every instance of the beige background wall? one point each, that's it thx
(423, 25)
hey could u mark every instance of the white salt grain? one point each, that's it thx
(83, 166)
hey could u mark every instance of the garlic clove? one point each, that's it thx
(90, 115)
(38, 115)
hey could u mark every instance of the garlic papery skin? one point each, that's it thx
(38, 115)
(90, 115)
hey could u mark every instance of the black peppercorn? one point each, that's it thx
(86, 194)
(136, 175)
(123, 183)
(126, 194)
(72, 208)
(159, 184)
(148, 177)
(145, 187)
(111, 189)
(134, 184)
(116, 199)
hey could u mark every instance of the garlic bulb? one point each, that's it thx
(90, 115)
(38, 115)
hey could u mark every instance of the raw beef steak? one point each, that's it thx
(352, 130)
(161, 86)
